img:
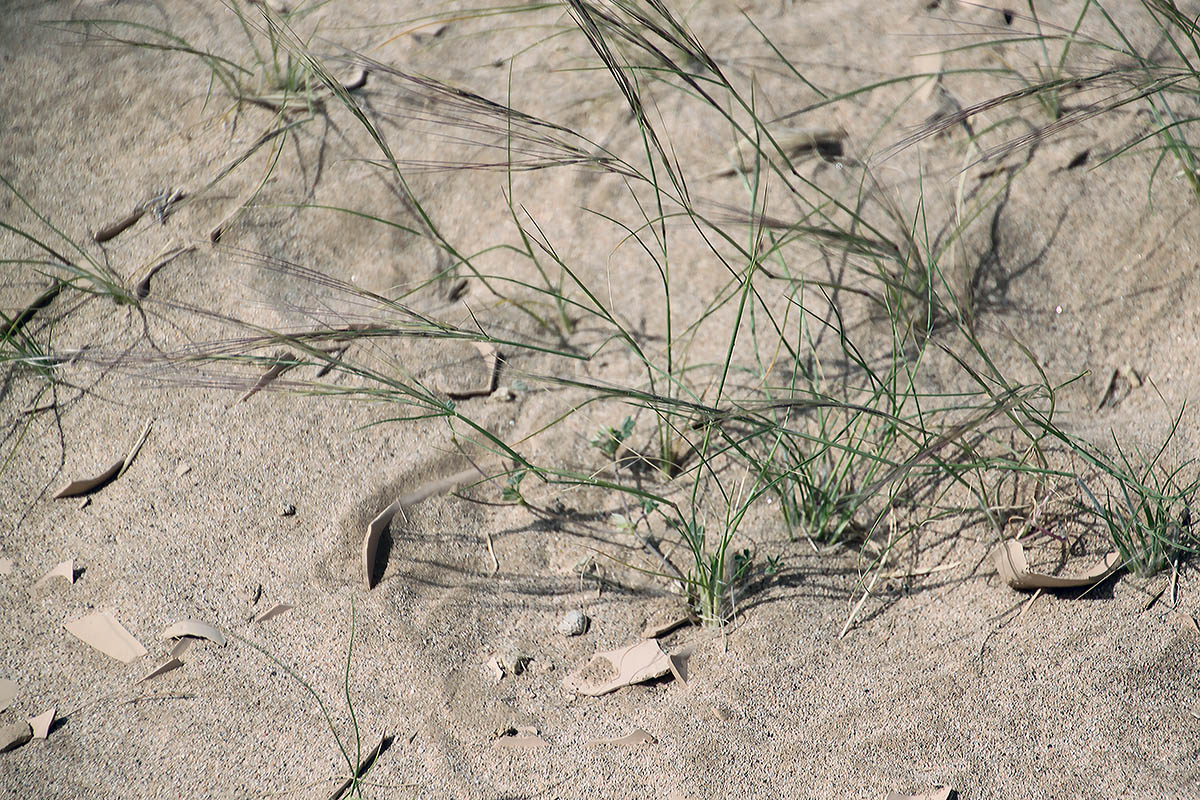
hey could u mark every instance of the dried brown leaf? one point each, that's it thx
(196, 629)
(635, 663)
(1014, 568)
(102, 631)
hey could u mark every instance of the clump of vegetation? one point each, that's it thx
(812, 390)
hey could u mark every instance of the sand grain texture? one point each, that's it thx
(943, 679)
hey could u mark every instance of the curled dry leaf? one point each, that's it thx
(375, 529)
(35, 304)
(523, 738)
(491, 357)
(1013, 567)
(64, 570)
(41, 723)
(142, 288)
(115, 229)
(76, 488)
(162, 669)
(273, 611)
(193, 628)
(632, 739)
(181, 647)
(102, 631)
(635, 663)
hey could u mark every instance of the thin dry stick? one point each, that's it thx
(875, 579)
(1029, 604)
(492, 553)
(142, 288)
(134, 450)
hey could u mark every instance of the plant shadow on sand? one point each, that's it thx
(729, 309)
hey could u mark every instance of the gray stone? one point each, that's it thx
(573, 623)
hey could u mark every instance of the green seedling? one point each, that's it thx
(609, 440)
(512, 488)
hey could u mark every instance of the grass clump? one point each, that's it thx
(1148, 514)
(844, 395)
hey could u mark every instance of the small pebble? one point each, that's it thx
(573, 623)
(287, 510)
(14, 735)
(182, 469)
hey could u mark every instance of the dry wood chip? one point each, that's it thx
(85, 485)
(8, 692)
(78, 487)
(40, 725)
(1013, 567)
(102, 631)
(523, 738)
(358, 81)
(14, 735)
(64, 570)
(634, 738)
(181, 647)
(162, 669)
(938, 793)
(273, 611)
(664, 623)
(929, 64)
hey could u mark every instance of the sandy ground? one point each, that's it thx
(946, 678)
